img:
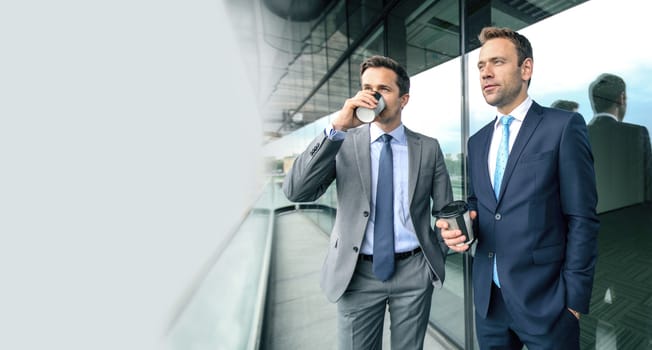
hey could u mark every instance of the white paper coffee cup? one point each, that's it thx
(367, 115)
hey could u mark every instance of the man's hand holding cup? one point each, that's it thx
(455, 224)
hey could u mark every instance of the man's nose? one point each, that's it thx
(486, 72)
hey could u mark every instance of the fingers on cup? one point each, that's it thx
(460, 248)
(442, 224)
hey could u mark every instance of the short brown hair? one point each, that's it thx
(402, 78)
(523, 47)
(605, 91)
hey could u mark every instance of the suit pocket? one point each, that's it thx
(548, 254)
(536, 156)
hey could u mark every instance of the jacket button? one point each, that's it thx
(498, 217)
(491, 255)
(365, 213)
(355, 249)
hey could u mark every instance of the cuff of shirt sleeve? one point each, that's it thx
(334, 135)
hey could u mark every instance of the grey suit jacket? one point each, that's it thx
(349, 162)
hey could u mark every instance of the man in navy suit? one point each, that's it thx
(623, 157)
(533, 197)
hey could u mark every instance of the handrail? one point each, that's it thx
(261, 298)
(199, 303)
(200, 276)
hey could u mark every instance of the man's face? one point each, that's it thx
(503, 82)
(383, 80)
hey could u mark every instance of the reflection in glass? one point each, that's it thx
(623, 161)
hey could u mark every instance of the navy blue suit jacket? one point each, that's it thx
(544, 226)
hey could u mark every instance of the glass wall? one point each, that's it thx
(434, 110)
(425, 36)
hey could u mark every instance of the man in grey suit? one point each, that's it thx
(358, 273)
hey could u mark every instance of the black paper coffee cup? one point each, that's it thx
(456, 214)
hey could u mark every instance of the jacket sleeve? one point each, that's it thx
(313, 170)
(578, 200)
(442, 192)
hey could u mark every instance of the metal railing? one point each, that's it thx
(225, 308)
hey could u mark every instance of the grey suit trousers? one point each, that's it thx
(407, 296)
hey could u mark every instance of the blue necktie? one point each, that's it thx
(383, 262)
(501, 162)
(503, 154)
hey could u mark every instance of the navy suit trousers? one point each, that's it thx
(498, 330)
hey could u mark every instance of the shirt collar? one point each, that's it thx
(398, 134)
(518, 113)
(606, 115)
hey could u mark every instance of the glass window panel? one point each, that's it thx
(432, 33)
(339, 89)
(434, 110)
(336, 32)
(329, 98)
(318, 52)
(373, 46)
(362, 14)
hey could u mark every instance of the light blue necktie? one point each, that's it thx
(383, 262)
(501, 162)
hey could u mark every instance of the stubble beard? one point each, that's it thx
(388, 120)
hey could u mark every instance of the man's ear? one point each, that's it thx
(404, 99)
(526, 69)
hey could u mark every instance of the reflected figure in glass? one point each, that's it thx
(566, 105)
(623, 160)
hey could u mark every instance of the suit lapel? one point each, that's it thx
(530, 123)
(485, 137)
(363, 159)
(414, 161)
